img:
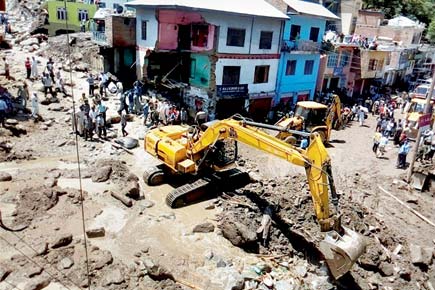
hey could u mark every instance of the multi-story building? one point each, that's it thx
(300, 50)
(66, 16)
(223, 55)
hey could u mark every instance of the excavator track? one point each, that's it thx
(187, 193)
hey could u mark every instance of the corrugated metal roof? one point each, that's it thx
(251, 7)
(402, 21)
(310, 8)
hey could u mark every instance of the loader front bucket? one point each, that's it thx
(342, 251)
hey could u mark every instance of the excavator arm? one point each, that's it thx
(333, 115)
(342, 246)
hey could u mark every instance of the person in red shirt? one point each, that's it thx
(28, 66)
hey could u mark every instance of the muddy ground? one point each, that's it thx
(150, 246)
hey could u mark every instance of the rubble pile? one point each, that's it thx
(389, 262)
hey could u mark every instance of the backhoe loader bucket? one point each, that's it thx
(342, 251)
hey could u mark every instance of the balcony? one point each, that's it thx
(300, 46)
(99, 37)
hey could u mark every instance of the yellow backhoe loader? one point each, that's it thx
(312, 117)
(206, 153)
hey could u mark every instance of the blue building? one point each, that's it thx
(300, 51)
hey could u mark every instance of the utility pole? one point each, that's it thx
(417, 142)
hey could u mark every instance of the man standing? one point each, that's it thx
(376, 140)
(35, 106)
(3, 108)
(91, 83)
(7, 72)
(34, 68)
(28, 66)
(103, 83)
(146, 110)
(48, 84)
(403, 152)
(183, 116)
(123, 123)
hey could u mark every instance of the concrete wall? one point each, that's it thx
(72, 12)
(149, 16)
(306, 23)
(288, 84)
(406, 35)
(366, 56)
(253, 27)
(200, 70)
(120, 31)
(247, 72)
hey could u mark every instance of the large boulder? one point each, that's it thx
(127, 142)
(420, 256)
(206, 227)
(62, 240)
(237, 233)
(102, 174)
(4, 176)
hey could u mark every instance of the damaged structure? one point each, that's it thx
(220, 57)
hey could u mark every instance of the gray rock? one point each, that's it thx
(209, 206)
(208, 255)
(37, 284)
(221, 263)
(4, 176)
(62, 240)
(96, 232)
(4, 272)
(132, 189)
(420, 255)
(55, 107)
(65, 263)
(101, 259)
(147, 203)
(127, 142)
(386, 269)
(206, 227)
(42, 249)
(237, 233)
(29, 41)
(155, 271)
(113, 277)
(11, 122)
(33, 271)
(102, 174)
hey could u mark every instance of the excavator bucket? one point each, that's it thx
(342, 251)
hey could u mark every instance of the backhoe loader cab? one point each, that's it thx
(314, 114)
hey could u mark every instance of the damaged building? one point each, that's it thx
(218, 56)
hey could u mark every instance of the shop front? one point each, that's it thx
(231, 99)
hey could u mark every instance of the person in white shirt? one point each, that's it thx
(35, 106)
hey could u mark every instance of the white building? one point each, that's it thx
(237, 57)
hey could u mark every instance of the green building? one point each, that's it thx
(62, 20)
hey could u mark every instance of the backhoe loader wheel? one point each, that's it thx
(153, 176)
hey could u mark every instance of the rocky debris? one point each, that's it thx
(206, 227)
(114, 276)
(420, 255)
(65, 263)
(127, 142)
(237, 233)
(55, 107)
(156, 271)
(37, 284)
(33, 271)
(4, 272)
(96, 232)
(386, 269)
(11, 122)
(100, 259)
(61, 241)
(122, 198)
(29, 42)
(4, 176)
(102, 174)
(132, 189)
(41, 249)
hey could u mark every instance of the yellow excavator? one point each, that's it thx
(312, 117)
(205, 153)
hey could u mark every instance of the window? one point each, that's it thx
(266, 39)
(231, 75)
(309, 65)
(61, 13)
(388, 59)
(314, 34)
(199, 35)
(344, 60)
(332, 60)
(291, 68)
(83, 14)
(261, 75)
(295, 32)
(236, 37)
(144, 30)
(101, 5)
(373, 63)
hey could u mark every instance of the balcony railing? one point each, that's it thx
(99, 37)
(300, 45)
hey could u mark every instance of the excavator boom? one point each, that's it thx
(341, 247)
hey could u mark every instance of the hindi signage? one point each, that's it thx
(232, 90)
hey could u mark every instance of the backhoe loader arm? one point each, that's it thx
(315, 160)
(334, 113)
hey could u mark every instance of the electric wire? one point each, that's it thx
(77, 149)
(39, 265)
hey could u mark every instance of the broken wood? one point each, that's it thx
(124, 199)
(188, 284)
(422, 217)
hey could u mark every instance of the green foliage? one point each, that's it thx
(430, 35)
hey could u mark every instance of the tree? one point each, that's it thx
(430, 35)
